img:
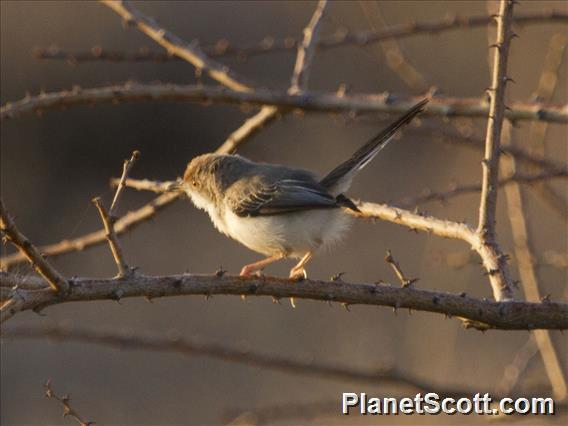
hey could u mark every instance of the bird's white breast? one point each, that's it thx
(290, 234)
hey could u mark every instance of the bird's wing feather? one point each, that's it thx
(279, 196)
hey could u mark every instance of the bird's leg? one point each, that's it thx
(249, 270)
(298, 271)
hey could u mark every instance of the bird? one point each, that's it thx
(279, 211)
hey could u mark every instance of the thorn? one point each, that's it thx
(275, 300)
(293, 302)
(244, 297)
(463, 294)
(346, 306)
(220, 272)
(508, 79)
(495, 45)
(148, 298)
(208, 296)
(394, 310)
(337, 277)
(545, 298)
(409, 311)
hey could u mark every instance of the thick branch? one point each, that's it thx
(309, 101)
(126, 167)
(191, 52)
(56, 281)
(484, 314)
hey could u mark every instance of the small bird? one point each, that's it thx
(278, 211)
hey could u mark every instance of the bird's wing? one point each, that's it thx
(264, 198)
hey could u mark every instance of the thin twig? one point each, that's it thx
(308, 101)
(483, 314)
(499, 277)
(528, 274)
(341, 38)
(112, 238)
(64, 400)
(191, 52)
(398, 271)
(306, 51)
(55, 280)
(392, 52)
(428, 195)
(125, 172)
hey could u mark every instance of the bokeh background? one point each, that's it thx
(51, 166)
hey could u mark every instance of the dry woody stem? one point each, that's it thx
(341, 38)
(497, 267)
(308, 101)
(191, 52)
(398, 271)
(481, 314)
(9, 231)
(65, 401)
(528, 274)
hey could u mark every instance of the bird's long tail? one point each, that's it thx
(339, 179)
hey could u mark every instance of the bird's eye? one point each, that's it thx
(194, 183)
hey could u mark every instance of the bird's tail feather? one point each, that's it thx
(339, 179)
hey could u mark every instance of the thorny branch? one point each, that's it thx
(497, 265)
(483, 314)
(306, 51)
(341, 38)
(308, 101)
(9, 231)
(109, 218)
(191, 52)
(65, 402)
(398, 271)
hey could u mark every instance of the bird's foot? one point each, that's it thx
(298, 274)
(250, 271)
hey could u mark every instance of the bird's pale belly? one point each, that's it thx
(290, 234)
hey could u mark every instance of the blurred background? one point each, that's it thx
(51, 167)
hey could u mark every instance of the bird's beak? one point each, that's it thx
(175, 186)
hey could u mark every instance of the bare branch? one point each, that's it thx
(341, 38)
(306, 51)
(249, 127)
(485, 314)
(195, 347)
(125, 172)
(56, 281)
(517, 178)
(125, 223)
(309, 101)
(518, 366)
(527, 272)
(65, 402)
(176, 46)
(537, 133)
(499, 276)
(398, 271)
(112, 239)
